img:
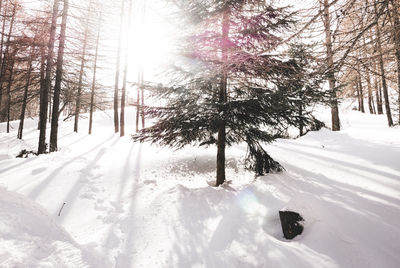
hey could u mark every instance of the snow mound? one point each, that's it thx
(31, 238)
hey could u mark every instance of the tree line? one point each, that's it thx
(255, 69)
(51, 55)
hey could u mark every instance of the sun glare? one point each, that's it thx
(150, 41)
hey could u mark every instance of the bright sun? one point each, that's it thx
(150, 40)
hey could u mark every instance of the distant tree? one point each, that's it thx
(45, 89)
(140, 79)
(123, 93)
(85, 41)
(304, 82)
(327, 20)
(381, 67)
(7, 57)
(59, 75)
(117, 72)
(25, 96)
(396, 34)
(92, 92)
(140, 97)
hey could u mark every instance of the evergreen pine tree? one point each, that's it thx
(304, 83)
(226, 91)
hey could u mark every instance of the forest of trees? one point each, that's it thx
(260, 69)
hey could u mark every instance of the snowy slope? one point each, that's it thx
(29, 237)
(140, 205)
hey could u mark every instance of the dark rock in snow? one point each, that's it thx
(291, 225)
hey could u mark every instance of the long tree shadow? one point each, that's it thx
(72, 195)
(110, 241)
(337, 191)
(339, 162)
(237, 230)
(329, 205)
(128, 225)
(42, 185)
(22, 162)
(376, 153)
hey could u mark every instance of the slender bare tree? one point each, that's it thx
(57, 86)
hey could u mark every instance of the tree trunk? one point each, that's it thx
(301, 124)
(360, 86)
(142, 99)
(142, 73)
(361, 94)
(42, 75)
(94, 81)
(331, 74)
(4, 62)
(139, 86)
(123, 93)
(57, 86)
(221, 142)
(396, 33)
(358, 96)
(368, 78)
(24, 100)
(378, 92)
(116, 86)
(3, 28)
(10, 80)
(382, 71)
(50, 103)
(44, 92)
(370, 97)
(80, 82)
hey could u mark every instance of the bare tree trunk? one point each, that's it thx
(139, 86)
(94, 81)
(396, 33)
(382, 71)
(361, 94)
(47, 83)
(4, 63)
(142, 73)
(370, 97)
(10, 80)
(50, 103)
(123, 93)
(24, 100)
(116, 86)
(57, 86)
(359, 82)
(368, 78)
(142, 99)
(221, 142)
(123, 96)
(80, 82)
(3, 28)
(331, 74)
(301, 124)
(378, 93)
(42, 75)
(358, 96)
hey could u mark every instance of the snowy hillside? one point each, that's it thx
(139, 205)
(29, 237)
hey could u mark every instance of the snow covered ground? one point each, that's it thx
(138, 205)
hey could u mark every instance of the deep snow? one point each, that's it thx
(139, 205)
